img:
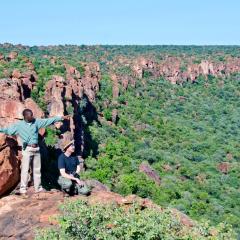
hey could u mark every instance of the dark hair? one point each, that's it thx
(26, 111)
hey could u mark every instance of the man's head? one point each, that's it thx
(69, 148)
(28, 115)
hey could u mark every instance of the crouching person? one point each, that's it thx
(69, 167)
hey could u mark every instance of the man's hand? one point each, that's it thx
(67, 117)
(79, 182)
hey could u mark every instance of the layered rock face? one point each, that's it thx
(9, 163)
(176, 71)
(15, 97)
(64, 95)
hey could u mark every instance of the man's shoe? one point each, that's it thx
(41, 190)
(22, 191)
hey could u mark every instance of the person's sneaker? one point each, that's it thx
(22, 191)
(41, 190)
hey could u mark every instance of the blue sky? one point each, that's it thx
(47, 22)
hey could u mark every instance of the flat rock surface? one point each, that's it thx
(20, 216)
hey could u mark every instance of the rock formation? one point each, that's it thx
(9, 164)
(14, 96)
(224, 167)
(64, 96)
(12, 55)
(172, 68)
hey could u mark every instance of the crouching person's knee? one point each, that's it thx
(64, 183)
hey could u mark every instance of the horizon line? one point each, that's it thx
(107, 44)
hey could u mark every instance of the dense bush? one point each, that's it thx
(109, 222)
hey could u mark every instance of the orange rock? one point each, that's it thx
(16, 73)
(9, 90)
(150, 172)
(9, 164)
(49, 216)
(12, 55)
(37, 111)
(115, 90)
(183, 218)
(224, 167)
(1, 57)
(11, 109)
(167, 167)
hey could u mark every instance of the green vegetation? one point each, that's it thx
(109, 222)
(191, 129)
(184, 132)
(51, 136)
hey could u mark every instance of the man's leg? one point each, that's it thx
(27, 156)
(65, 184)
(37, 169)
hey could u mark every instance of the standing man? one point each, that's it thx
(27, 129)
(69, 167)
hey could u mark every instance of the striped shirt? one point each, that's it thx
(28, 132)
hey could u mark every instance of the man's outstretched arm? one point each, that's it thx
(11, 130)
(42, 123)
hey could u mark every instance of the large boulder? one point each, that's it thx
(25, 82)
(9, 89)
(90, 80)
(37, 111)
(224, 167)
(115, 88)
(97, 186)
(16, 74)
(11, 110)
(12, 55)
(9, 164)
